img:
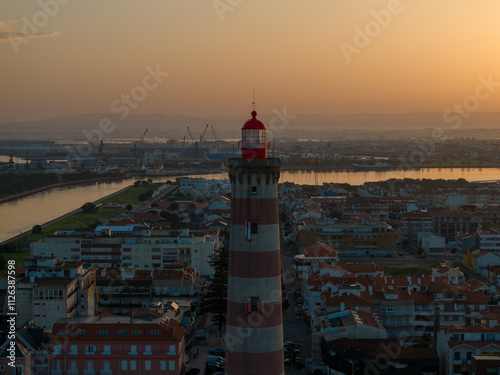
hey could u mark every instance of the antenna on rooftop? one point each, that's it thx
(254, 104)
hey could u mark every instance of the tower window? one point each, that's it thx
(254, 304)
(254, 190)
(254, 227)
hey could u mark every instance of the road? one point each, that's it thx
(293, 330)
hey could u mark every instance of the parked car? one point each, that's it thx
(215, 358)
(215, 366)
(218, 351)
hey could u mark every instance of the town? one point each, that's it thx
(410, 266)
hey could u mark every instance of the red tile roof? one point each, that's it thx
(320, 250)
(474, 344)
(472, 329)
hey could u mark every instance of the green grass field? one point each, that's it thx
(18, 257)
(77, 220)
(131, 196)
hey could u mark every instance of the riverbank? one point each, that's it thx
(25, 234)
(62, 184)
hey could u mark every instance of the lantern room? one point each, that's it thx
(254, 143)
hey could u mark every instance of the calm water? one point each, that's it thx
(20, 215)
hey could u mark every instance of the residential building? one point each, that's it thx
(451, 223)
(412, 223)
(454, 275)
(314, 255)
(54, 290)
(485, 364)
(32, 350)
(432, 244)
(21, 363)
(107, 345)
(489, 240)
(371, 237)
(348, 356)
(346, 323)
(132, 246)
(126, 290)
(465, 242)
(456, 345)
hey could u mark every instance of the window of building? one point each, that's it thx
(90, 349)
(124, 365)
(254, 304)
(148, 349)
(147, 365)
(106, 366)
(107, 349)
(90, 365)
(171, 349)
(163, 365)
(254, 227)
(57, 349)
(133, 349)
(155, 332)
(254, 190)
(136, 332)
(123, 332)
(56, 365)
(132, 365)
(171, 365)
(74, 349)
(81, 332)
(103, 332)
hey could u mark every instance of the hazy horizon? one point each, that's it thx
(205, 59)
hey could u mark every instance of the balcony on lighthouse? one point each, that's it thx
(254, 143)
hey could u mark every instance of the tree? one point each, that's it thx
(142, 197)
(172, 218)
(155, 205)
(89, 208)
(174, 206)
(137, 183)
(128, 207)
(37, 229)
(215, 298)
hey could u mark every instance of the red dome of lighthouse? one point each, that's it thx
(253, 123)
(254, 143)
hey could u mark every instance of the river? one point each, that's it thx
(22, 214)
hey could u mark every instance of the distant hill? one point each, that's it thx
(309, 126)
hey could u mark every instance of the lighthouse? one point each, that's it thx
(254, 334)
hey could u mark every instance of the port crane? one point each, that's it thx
(140, 141)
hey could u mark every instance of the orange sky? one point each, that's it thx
(422, 55)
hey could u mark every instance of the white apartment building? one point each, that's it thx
(132, 246)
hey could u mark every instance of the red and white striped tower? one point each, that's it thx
(254, 335)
